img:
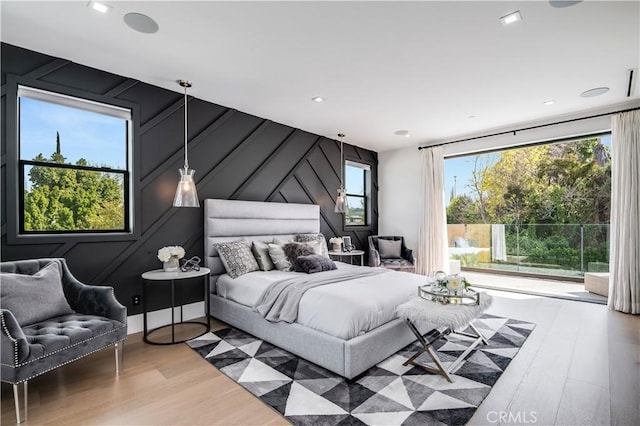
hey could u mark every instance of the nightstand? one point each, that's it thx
(350, 254)
(172, 277)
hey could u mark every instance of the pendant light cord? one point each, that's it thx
(341, 136)
(186, 154)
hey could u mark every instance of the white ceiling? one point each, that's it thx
(382, 66)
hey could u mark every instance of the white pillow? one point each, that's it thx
(279, 257)
(261, 253)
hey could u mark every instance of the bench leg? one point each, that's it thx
(119, 357)
(428, 348)
(20, 399)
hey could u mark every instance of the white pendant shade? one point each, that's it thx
(341, 201)
(186, 193)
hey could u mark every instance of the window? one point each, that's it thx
(541, 209)
(357, 185)
(74, 165)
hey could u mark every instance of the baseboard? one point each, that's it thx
(162, 317)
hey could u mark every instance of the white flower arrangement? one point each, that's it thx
(335, 240)
(454, 283)
(165, 253)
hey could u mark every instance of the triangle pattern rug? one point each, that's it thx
(387, 394)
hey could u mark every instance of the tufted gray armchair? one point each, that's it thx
(29, 350)
(404, 262)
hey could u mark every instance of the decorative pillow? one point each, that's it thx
(37, 297)
(261, 253)
(315, 263)
(279, 257)
(237, 258)
(304, 238)
(294, 250)
(389, 249)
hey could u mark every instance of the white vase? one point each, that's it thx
(336, 247)
(171, 265)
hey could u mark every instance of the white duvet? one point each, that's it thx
(345, 309)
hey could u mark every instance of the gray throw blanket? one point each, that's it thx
(279, 301)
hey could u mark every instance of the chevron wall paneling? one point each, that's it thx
(235, 155)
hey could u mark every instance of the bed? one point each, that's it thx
(357, 328)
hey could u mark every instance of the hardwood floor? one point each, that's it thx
(581, 365)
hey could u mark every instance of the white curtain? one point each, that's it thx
(498, 242)
(432, 229)
(624, 281)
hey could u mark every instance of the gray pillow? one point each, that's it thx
(304, 238)
(279, 257)
(315, 263)
(37, 297)
(237, 258)
(389, 249)
(261, 253)
(294, 250)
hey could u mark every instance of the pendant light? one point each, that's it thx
(341, 201)
(186, 194)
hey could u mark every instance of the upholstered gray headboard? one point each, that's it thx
(228, 220)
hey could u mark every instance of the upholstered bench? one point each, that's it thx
(449, 319)
(61, 321)
(597, 283)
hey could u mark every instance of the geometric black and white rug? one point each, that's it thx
(388, 394)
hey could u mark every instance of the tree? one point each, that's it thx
(463, 209)
(66, 199)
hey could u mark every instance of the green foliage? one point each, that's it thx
(466, 259)
(62, 199)
(558, 183)
(462, 209)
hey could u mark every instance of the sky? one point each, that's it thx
(98, 138)
(462, 169)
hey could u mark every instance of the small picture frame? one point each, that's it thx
(346, 244)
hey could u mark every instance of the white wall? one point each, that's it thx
(399, 171)
(399, 185)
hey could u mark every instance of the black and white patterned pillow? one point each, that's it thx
(236, 257)
(305, 238)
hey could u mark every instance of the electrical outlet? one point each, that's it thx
(136, 299)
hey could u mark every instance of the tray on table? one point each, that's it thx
(464, 297)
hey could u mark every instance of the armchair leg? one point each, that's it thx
(119, 364)
(20, 399)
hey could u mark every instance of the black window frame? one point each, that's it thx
(366, 196)
(16, 234)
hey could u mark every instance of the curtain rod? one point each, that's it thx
(529, 128)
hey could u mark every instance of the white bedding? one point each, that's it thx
(344, 309)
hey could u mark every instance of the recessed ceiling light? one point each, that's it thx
(563, 3)
(511, 18)
(141, 23)
(594, 92)
(100, 7)
(404, 133)
(317, 99)
(472, 116)
(549, 102)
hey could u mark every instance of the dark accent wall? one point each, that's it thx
(235, 155)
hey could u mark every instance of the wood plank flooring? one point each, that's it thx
(580, 366)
